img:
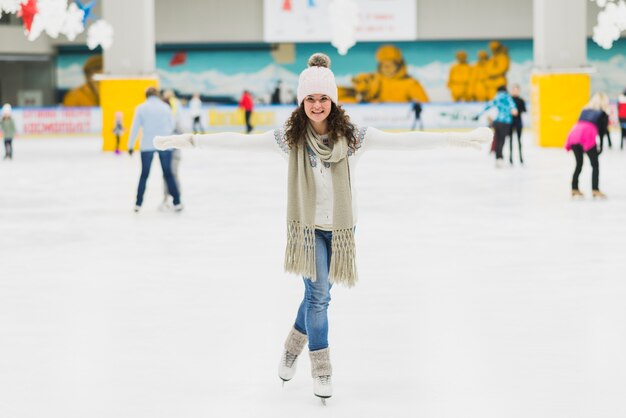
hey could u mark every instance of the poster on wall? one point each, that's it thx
(309, 20)
(373, 72)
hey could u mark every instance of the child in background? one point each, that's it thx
(118, 130)
(8, 131)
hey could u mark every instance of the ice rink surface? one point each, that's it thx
(483, 292)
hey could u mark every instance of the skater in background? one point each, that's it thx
(247, 104)
(195, 110)
(516, 127)
(153, 117)
(118, 130)
(416, 109)
(603, 130)
(621, 114)
(7, 124)
(276, 94)
(582, 140)
(322, 148)
(502, 123)
(169, 97)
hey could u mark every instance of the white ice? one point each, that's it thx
(483, 292)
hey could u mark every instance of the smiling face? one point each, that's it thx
(317, 108)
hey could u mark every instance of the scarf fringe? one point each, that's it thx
(300, 251)
(343, 259)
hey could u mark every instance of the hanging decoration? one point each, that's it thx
(86, 8)
(611, 22)
(100, 33)
(56, 17)
(344, 18)
(74, 22)
(27, 12)
(9, 6)
(50, 17)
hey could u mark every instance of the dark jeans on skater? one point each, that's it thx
(516, 128)
(622, 125)
(593, 158)
(248, 125)
(8, 148)
(166, 164)
(502, 131)
(312, 318)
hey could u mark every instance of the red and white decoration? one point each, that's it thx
(56, 17)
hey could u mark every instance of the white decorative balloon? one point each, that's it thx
(100, 33)
(49, 18)
(611, 22)
(73, 24)
(9, 6)
(344, 17)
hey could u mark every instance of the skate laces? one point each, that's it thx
(289, 359)
(324, 380)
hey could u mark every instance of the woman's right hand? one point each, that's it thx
(174, 141)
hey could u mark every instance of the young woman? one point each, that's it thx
(582, 140)
(322, 148)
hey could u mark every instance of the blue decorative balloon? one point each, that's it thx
(86, 8)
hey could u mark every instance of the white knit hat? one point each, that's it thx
(317, 79)
(6, 109)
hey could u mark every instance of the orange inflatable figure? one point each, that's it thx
(497, 67)
(478, 78)
(87, 94)
(458, 79)
(391, 83)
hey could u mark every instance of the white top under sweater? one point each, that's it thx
(367, 138)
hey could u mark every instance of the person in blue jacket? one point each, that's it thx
(154, 118)
(503, 122)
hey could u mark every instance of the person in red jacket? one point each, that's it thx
(247, 104)
(621, 114)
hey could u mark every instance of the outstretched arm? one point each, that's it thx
(222, 140)
(376, 138)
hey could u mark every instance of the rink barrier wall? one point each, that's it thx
(52, 121)
(88, 121)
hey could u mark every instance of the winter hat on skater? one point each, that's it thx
(317, 79)
(6, 110)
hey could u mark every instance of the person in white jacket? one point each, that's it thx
(195, 110)
(322, 147)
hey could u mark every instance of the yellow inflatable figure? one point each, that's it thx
(497, 67)
(478, 78)
(458, 80)
(391, 83)
(89, 93)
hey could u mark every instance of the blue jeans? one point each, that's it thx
(312, 318)
(166, 164)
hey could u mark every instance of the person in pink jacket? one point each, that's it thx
(582, 140)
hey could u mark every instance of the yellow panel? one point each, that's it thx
(122, 95)
(556, 102)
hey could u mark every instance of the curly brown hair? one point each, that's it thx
(338, 125)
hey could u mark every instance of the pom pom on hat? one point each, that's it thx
(317, 79)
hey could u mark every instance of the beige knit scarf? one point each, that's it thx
(300, 252)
